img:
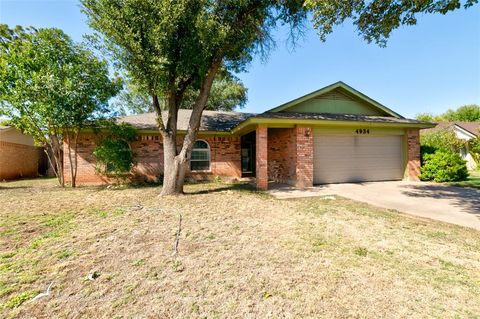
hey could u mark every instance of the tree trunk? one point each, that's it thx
(71, 160)
(57, 159)
(170, 165)
(175, 167)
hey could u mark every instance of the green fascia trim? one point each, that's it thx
(334, 86)
(286, 123)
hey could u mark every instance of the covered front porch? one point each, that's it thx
(278, 154)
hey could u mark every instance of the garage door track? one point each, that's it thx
(456, 205)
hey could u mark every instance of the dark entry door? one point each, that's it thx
(248, 155)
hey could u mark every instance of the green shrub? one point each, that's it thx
(425, 150)
(113, 153)
(475, 149)
(443, 166)
(442, 139)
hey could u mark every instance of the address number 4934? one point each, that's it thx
(362, 131)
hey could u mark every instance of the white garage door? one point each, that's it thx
(341, 159)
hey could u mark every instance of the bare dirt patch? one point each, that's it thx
(241, 254)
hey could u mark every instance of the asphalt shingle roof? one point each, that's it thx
(337, 117)
(472, 127)
(226, 121)
(211, 120)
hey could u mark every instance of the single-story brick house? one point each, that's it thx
(19, 157)
(332, 135)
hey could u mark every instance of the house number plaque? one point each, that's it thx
(362, 131)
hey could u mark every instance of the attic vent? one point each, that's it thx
(335, 95)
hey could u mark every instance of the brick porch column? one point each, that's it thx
(413, 155)
(261, 145)
(304, 164)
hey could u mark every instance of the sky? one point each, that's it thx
(429, 67)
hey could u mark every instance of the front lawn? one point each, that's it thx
(472, 181)
(241, 254)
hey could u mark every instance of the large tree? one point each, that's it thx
(50, 87)
(227, 94)
(169, 47)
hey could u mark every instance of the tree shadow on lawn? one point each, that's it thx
(218, 188)
(199, 187)
(468, 199)
(4, 187)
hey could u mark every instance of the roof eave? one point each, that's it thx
(331, 87)
(292, 122)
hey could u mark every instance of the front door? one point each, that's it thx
(248, 155)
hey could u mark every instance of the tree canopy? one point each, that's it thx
(466, 113)
(228, 93)
(49, 85)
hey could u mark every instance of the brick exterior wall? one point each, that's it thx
(224, 154)
(282, 155)
(18, 161)
(261, 160)
(290, 156)
(413, 155)
(304, 162)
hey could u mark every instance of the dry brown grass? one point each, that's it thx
(241, 254)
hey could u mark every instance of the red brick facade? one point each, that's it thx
(18, 161)
(290, 156)
(413, 155)
(224, 162)
(283, 155)
(261, 160)
(304, 163)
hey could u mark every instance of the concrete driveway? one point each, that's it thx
(456, 205)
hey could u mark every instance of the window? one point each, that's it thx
(200, 156)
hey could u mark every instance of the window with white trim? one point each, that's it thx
(200, 160)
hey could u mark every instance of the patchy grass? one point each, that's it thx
(241, 254)
(472, 181)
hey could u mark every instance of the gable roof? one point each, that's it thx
(335, 86)
(472, 128)
(211, 120)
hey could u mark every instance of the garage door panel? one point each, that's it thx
(339, 159)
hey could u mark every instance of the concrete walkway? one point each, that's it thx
(456, 205)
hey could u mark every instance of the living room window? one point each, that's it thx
(200, 160)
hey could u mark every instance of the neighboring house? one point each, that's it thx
(465, 131)
(19, 157)
(332, 135)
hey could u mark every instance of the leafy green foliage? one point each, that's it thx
(47, 82)
(50, 85)
(227, 93)
(113, 153)
(376, 19)
(444, 166)
(428, 117)
(426, 149)
(466, 113)
(474, 146)
(442, 140)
